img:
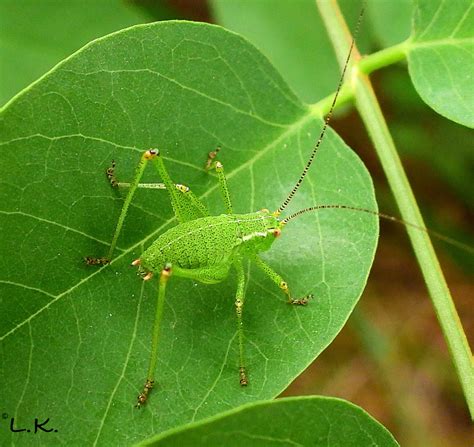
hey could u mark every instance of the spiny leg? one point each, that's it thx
(185, 204)
(182, 198)
(219, 167)
(239, 306)
(110, 172)
(278, 280)
(210, 158)
(143, 396)
(145, 157)
(201, 210)
(184, 210)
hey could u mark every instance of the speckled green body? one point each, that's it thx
(205, 248)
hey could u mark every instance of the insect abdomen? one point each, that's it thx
(195, 244)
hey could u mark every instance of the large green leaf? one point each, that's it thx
(306, 421)
(75, 340)
(441, 57)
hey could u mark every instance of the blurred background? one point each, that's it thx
(391, 357)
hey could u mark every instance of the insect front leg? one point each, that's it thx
(280, 282)
(145, 157)
(115, 183)
(185, 204)
(212, 163)
(239, 306)
(200, 209)
(150, 377)
(186, 207)
(210, 158)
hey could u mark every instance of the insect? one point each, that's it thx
(208, 248)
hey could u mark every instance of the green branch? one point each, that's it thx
(367, 65)
(383, 58)
(369, 109)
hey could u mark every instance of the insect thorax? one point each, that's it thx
(257, 232)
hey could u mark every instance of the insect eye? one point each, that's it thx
(276, 232)
(151, 153)
(182, 188)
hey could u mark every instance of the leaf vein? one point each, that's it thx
(125, 364)
(65, 227)
(28, 372)
(461, 20)
(216, 380)
(190, 89)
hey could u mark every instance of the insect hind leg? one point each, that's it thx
(150, 378)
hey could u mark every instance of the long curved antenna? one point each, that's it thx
(326, 122)
(440, 236)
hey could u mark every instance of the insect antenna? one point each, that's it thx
(326, 122)
(439, 236)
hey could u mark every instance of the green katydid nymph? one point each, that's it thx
(207, 248)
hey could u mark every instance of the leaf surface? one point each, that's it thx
(441, 57)
(75, 340)
(36, 35)
(309, 421)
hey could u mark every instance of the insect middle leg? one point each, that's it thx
(150, 377)
(280, 282)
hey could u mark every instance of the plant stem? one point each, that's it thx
(322, 107)
(366, 65)
(382, 58)
(369, 109)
